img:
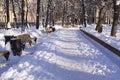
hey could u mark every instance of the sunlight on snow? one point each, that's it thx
(63, 55)
(72, 48)
(89, 66)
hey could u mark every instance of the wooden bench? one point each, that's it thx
(49, 29)
(26, 38)
(5, 54)
(8, 38)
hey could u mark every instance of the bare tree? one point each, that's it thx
(26, 20)
(64, 11)
(84, 13)
(7, 12)
(101, 16)
(38, 14)
(22, 15)
(116, 17)
(13, 8)
(47, 13)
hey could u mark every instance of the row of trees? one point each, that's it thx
(66, 11)
(103, 10)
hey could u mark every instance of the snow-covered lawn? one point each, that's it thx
(105, 35)
(65, 54)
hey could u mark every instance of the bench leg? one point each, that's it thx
(6, 55)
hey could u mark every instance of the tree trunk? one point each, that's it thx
(115, 19)
(22, 16)
(19, 7)
(38, 13)
(101, 18)
(26, 18)
(15, 18)
(84, 13)
(26, 14)
(48, 7)
(63, 14)
(7, 12)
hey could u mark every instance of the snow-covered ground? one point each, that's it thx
(105, 35)
(66, 54)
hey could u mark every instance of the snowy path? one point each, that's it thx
(64, 55)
